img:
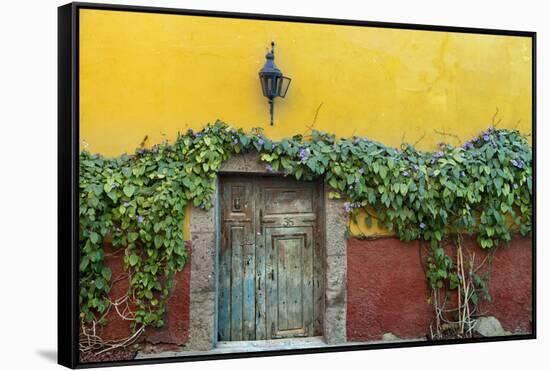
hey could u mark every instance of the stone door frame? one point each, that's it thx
(205, 232)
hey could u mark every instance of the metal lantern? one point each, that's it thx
(274, 84)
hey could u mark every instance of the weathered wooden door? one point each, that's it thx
(270, 267)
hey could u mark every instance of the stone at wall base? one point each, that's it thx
(388, 336)
(490, 326)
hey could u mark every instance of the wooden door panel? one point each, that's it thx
(267, 287)
(236, 300)
(289, 268)
(288, 200)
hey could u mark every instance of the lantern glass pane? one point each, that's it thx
(266, 85)
(277, 91)
(284, 83)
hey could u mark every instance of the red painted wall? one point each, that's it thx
(387, 292)
(387, 289)
(176, 328)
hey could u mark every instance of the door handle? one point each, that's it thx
(237, 203)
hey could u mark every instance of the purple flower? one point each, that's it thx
(141, 151)
(114, 185)
(303, 154)
(520, 164)
(140, 219)
(422, 226)
(515, 186)
(357, 140)
(202, 205)
(438, 154)
(155, 149)
(126, 204)
(196, 135)
(415, 167)
(467, 145)
(366, 139)
(361, 171)
(405, 173)
(486, 137)
(514, 162)
(269, 168)
(347, 207)
(261, 142)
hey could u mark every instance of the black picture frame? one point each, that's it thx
(68, 172)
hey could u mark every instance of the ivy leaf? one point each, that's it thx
(94, 237)
(132, 236)
(154, 269)
(127, 172)
(133, 259)
(84, 263)
(97, 189)
(106, 273)
(99, 283)
(244, 140)
(129, 190)
(383, 172)
(474, 298)
(368, 221)
(312, 164)
(504, 207)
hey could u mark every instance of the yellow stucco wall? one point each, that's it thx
(154, 74)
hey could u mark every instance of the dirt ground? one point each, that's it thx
(120, 354)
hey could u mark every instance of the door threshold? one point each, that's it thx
(247, 346)
(274, 344)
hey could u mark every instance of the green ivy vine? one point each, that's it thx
(138, 201)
